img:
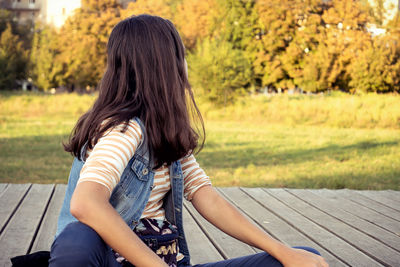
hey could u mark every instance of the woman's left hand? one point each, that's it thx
(302, 258)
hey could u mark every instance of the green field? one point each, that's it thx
(337, 141)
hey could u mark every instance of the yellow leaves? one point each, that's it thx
(13, 59)
(377, 68)
(346, 14)
(151, 7)
(193, 20)
(219, 70)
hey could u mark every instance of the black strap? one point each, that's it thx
(36, 259)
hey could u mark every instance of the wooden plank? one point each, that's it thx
(381, 197)
(369, 203)
(378, 233)
(327, 240)
(48, 227)
(273, 224)
(244, 203)
(201, 249)
(360, 211)
(390, 193)
(19, 232)
(361, 241)
(271, 211)
(3, 187)
(228, 246)
(10, 199)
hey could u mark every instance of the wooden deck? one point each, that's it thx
(349, 228)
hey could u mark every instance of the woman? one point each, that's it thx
(134, 162)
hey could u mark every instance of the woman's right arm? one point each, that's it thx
(89, 204)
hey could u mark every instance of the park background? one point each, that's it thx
(294, 93)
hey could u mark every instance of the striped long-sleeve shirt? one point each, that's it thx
(109, 157)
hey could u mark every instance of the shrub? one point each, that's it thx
(219, 71)
(45, 69)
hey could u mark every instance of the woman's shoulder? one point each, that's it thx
(127, 130)
(134, 126)
(131, 126)
(189, 158)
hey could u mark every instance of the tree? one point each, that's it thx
(306, 59)
(379, 11)
(324, 45)
(279, 22)
(13, 59)
(83, 40)
(160, 8)
(23, 30)
(377, 68)
(235, 25)
(195, 19)
(45, 66)
(236, 22)
(219, 71)
(96, 6)
(347, 34)
(6, 18)
(394, 24)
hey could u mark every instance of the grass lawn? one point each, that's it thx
(246, 154)
(257, 150)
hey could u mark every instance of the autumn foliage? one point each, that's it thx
(237, 47)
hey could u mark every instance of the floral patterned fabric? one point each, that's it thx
(160, 236)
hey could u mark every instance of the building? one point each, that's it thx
(53, 12)
(23, 10)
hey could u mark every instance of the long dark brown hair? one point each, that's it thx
(145, 78)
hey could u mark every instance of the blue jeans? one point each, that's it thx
(79, 245)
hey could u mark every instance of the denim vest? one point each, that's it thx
(131, 194)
